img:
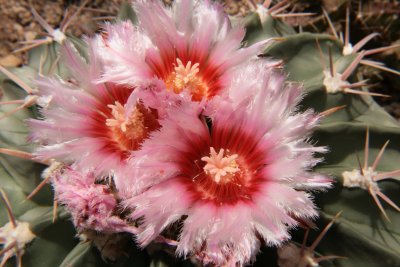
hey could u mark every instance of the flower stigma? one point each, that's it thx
(187, 77)
(129, 130)
(221, 169)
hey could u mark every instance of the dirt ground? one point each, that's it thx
(18, 23)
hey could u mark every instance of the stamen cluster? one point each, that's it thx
(219, 167)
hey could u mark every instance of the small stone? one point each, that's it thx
(231, 8)
(19, 29)
(10, 61)
(30, 35)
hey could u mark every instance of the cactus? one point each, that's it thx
(365, 233)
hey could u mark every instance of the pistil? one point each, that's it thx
(221, 168)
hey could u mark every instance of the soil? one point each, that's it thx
(18, 23)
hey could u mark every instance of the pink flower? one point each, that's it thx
(191, 47)
(92, 206)
(95, 125)
(234, 181)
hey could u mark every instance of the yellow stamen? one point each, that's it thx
(129, 130)
(187, 77)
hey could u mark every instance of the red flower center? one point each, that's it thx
(187, 71)
(122, 131)
(211, 172)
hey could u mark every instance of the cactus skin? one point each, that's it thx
(361, 234)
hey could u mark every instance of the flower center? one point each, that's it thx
(221, 169)
(128, 130)
(187, 77)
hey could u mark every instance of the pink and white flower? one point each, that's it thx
(191, 46)
(95, 125)
(234, 180)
